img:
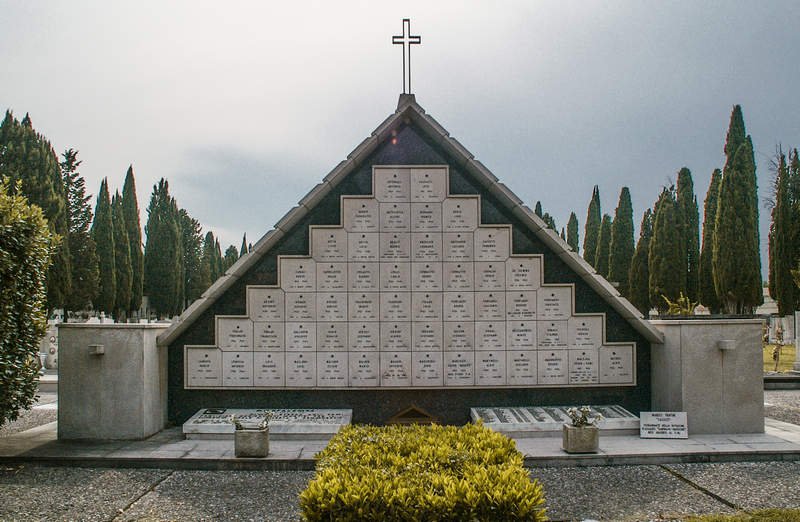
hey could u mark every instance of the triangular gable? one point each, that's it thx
(409, 111)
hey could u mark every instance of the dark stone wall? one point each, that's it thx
(450, 406)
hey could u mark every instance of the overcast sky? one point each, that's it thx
(244, 107)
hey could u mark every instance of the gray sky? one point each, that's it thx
(244, 107)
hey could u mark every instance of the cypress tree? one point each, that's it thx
(243, 248)
(782, 254)
(537, 209)
(639, 275)
(231, 256)
(707, 294)
(550, 221)
(122, 259)
(83, 254)
(162, 252)
(195, 280)
(664, 260)
(133, 226)
(218, 260)
(572, 232)
(208, 266)
(563, 234)
(736, 260)
(689, 218)
(603, 246)
(622, 248)
(103, 235)
(592, 228)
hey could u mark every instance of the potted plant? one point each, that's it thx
(251, 440)
(581, 435)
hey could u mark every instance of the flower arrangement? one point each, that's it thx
(264, 424)
(583, 416)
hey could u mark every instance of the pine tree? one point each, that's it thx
(603, 246)
(783, 234)
(572, 232)
(83, 254)
(688, 216)
(243, 248)
(103, 235)
(707, 295)
(162, 252)
(130, 206)
(737, 264)
(231, 256)
(122, 259)
(665, 262)
(592, 228)
(622, 248)
(639, 275)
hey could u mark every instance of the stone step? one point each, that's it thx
(305, 424)
(546, 421)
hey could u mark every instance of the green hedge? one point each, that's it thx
(421, 473)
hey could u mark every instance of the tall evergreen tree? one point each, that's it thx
(27, 156)
(563, 234)
(231, 256)
(688, 216)
(130, 206)
(537, 209)
(639, 275)
(243, 248)
(219, 262)
(195, 280)
(736, 259)
(208, 265)
(783, 251)
(707, 294)
(664, 260)
(603, 246)
(103, 235)
(162, 252)
(122, 259)
(592, 228)
(622, 248)
(572, 232)
(83, 254)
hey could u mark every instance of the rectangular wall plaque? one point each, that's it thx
(663, 425)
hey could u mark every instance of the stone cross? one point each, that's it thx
(406, 40)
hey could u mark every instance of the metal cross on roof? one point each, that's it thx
(406, 40)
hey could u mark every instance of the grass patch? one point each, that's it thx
(762, 515)
(787, 359)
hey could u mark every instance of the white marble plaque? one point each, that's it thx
(490, 335)
(459, 368)
(426, 217)
(426, 336)
(490, 276)
(426, 277)
(395, 277)
(521, 367)
(428, 184)
(457, 246)
(332, 369)
(298, 274)
(458, 276)
(364, 369)
(663, 425)
(237, 369)
(396, 369)
(395, 246)
(364, 337)
(329, 244)
(269, 337)
(552, 367)
(301, 337)
(490, 368)
(363, 277)
(583, 366)
(554, 302)
(551, 334)
(585, 331)
(616, 364)
(362, 246)
(363, 306)
(203, 366)
(426, 369)
(459, 336)
(395, 306)
(265, 304)
(524, 273)
(460, 214)
(490, 306)
(301, 369)
(391, 184)
(301, 306)
(426, 306)
(521, 335)
(234, 333)
(360, 214)
(396, 337)
(332, 337)
(492, 244)
(269, 369)
(331, 277)
(426, 246)
(459, 306)
(332, 306)
(521, 305)
(395, 217)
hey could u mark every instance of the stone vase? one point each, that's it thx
(584, 439)
(253, 443)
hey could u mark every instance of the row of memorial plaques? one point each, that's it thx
(241, 334)
(366, 214)
(209, 367)
(410, 184)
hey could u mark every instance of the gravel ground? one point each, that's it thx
(34, 417)
(783, 405)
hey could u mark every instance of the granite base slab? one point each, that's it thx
(301, 424)
(547, 421)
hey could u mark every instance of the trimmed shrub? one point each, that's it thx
(421, 473)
